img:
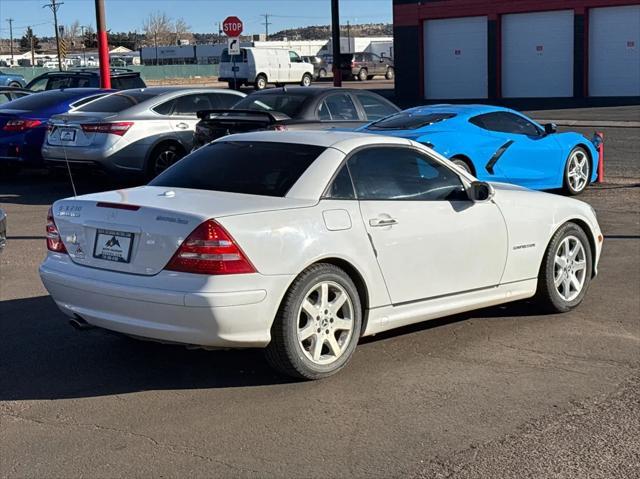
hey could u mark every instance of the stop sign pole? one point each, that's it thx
(232, 28)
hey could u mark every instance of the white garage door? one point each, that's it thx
(614, 51)
(455, 58)
(537, 54)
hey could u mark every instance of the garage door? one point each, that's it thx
(455, 58)
(614, 51)
(537, 54)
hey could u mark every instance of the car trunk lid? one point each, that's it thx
(138, 230)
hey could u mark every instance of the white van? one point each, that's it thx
(260, 66)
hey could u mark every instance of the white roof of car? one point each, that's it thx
(341, 140)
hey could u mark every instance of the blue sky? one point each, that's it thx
(202, 15)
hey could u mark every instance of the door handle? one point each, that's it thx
(182, 126)
(382, 222)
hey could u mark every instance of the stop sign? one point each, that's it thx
(232, 26)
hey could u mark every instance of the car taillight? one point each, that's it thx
(54, 242)
(21, 125)
(117, 128)
(280, 128)
(209, 249)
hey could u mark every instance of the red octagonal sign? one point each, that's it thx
(232, 26)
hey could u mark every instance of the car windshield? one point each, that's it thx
(41, 101)
(287, 103)
(248, 167)
(118, 102)
(409, 121)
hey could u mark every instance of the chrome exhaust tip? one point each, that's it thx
(80, 324)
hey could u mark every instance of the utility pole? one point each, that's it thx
(33, 52)
(335, 39)
(103, 45)
(348, 37)
(10, 20)
(266, 24)
(54, 5)
(84, 47)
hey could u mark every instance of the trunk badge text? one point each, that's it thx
(70, 210)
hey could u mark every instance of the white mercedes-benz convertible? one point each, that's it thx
(303, 242)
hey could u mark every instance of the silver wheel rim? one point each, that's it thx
(261, 83)
(322, 73)
(363, 75)
(325, 322)
(570, 268)
(578, 170)
(165, 160)
(389, 74)
(306, 81)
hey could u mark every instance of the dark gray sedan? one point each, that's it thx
(294, 108)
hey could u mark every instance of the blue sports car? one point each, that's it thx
(23, 123)
(12, 80)
(498, 144)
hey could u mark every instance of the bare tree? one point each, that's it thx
(72, 34)
(182, 31)
(159, 29)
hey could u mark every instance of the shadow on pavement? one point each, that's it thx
(42, 357)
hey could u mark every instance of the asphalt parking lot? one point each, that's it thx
(501, 392)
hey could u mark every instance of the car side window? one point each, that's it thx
(190, 104)
(374, 108)
(223, 100)
(403, 174)
(294, 58)
(165, 108)
(341, 187)
(39, 85)
(82, 82)
(55, 83)
(505, 122)
(340, 107)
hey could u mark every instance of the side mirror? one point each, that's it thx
(550, 128)
(480, 191)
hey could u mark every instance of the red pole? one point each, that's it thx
(600, 157)
(103, 46)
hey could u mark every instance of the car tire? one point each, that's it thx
(391, 74)
(306, 80)
(577, 172)
(162, 157)
(322, 73)
(463, 163)
(15, 85)
(261, 82)
(565, 272)
(363, 74)
(301, 344)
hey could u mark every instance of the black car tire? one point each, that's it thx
(162, 157)
(370, 77)
(391, 73)
(261, 82)
(15, 85)
(463, 163)
(306, 80)
(548, 296)
(363, 74)
(286, 352)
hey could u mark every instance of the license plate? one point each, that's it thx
(67, 135)
(113, 245)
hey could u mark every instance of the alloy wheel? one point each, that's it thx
(325, 322)
(570, 268)
(578, 171)
(164, 160)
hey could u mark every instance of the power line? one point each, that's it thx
(54, 8)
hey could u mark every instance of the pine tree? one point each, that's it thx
(27, 38)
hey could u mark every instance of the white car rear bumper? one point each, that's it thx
(211, 315)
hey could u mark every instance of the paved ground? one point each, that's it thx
(502, 392)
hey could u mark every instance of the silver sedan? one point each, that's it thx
(140, 131)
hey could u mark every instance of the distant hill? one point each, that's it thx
(323, 32)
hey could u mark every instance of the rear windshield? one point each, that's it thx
(253, 168)
(409, 121)
(118, 102)
(39, 101)
(287, 103)
(127, 82)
